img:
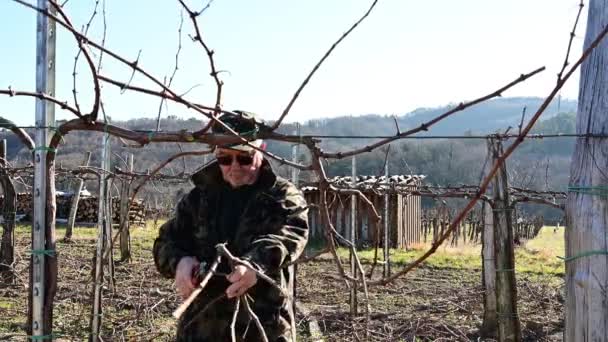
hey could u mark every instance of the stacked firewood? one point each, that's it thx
(87, 208)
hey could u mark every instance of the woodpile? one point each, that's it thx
(404, 209)
(87, 208)
(396, 183)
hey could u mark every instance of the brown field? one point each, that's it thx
(440, 301)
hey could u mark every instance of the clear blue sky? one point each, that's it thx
(406, 55)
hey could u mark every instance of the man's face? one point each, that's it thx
(239, 167)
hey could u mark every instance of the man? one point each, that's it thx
(237, 200)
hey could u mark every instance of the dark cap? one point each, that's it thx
(242, 122)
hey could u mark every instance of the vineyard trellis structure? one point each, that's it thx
(409, 223)
(43, 261)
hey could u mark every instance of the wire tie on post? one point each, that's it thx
(502, 209)
(43, 337)
(45, 148)
(506, 270)
(601, 190)
(47, 252)
(506, 315)
(584, 254)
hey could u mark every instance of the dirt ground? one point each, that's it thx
(427, 305)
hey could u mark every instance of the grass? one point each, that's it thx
(536, 256)
(140, 303)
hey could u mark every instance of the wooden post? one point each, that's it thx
(103, 215)
(75, 200)
(7, 246)
(313, 214)
(419, 218)
(43, 262)
(397, 221)
(404, 219)
(587, 205)
(125, 238)
(108, 222)
(353, 240)
(435, 224)
(374, 227)
(506, 290)
(387, 240)
(363, 222)
(489, 326)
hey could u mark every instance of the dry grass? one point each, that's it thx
(537, 256)
(439, 300)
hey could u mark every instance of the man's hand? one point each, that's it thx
(185, 281)
(242, 278)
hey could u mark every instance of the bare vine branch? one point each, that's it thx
(318, 65)
(214, 72)
(92, 116)
(85, 32)
(581, 5)
(425, 126)
(499, 161)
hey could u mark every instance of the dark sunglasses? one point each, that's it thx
(242, 159)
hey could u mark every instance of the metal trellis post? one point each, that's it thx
(45, 118)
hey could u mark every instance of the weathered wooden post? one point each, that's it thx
(95, 321)
(43, 262)
(108, 224)
(125, 238)
(396, 220)
(587, 206)
(387, 241)
(75, 199)
(102, 230)
(506, 290)
(489, 326)
(353, 240)
(7, 246)
(435, 224)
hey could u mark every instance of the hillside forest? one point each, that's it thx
(538, 164)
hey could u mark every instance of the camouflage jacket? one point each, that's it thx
(270, 230)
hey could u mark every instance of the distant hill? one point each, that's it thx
(536, 164)
(486, 117)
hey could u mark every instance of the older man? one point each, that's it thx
(238, 200)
